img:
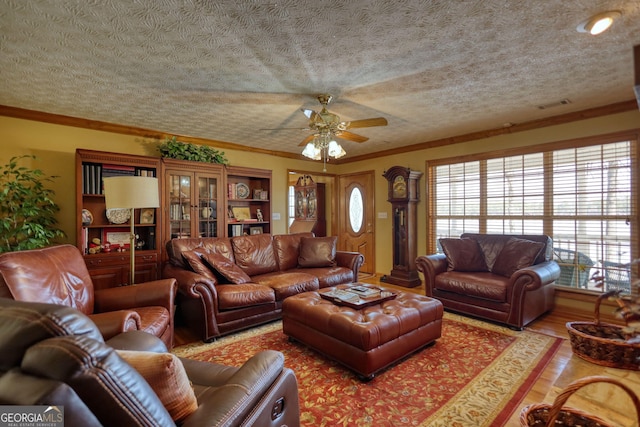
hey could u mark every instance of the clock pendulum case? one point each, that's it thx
(404, 197)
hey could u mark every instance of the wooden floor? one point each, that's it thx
(553, 324)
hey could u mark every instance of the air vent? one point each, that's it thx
(554, 104)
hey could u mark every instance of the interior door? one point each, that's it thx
(356, 216)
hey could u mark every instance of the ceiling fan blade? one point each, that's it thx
(284, 129)
(311, 115)
(366, 123)
(307, 140)
(351, 136)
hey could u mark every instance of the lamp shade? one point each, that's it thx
(131, 192)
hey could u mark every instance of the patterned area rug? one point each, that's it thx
(475, 375)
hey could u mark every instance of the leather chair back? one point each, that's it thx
(56, 275)
(54, 355)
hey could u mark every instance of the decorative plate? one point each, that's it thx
(242, 190)
(118, 216)
(87, 217)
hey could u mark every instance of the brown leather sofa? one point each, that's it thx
(55, 355)
(58, 275)
(503, 278)
(210, 307)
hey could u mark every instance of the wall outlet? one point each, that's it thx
(382, 215)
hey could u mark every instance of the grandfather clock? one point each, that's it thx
(404, 197)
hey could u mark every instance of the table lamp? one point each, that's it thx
(131, 192)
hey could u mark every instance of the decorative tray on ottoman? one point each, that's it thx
(357, 296)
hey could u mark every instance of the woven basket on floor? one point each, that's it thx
(603, 343)
(543, 414)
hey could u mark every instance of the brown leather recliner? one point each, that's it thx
(58, 275)
(54, 355)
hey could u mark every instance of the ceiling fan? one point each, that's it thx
(325, 123)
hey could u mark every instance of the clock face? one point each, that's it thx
(399, 187)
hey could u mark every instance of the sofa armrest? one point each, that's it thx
(536, 276)
(156, 293)
(137, 341)
(113, 323)
(233, 401)
(351, 260)
(190, 283)
(431, 266)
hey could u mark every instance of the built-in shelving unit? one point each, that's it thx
(196, 200)
(109, 264)
(192, 199)
(248, 201)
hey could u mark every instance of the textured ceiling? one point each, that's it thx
(228, 69)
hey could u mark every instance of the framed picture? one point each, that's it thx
(256, 193)
(241, 213)
(117, 236)
(255, 230)
(147, 215)
(264, 195)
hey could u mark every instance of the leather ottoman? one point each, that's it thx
(364, 340)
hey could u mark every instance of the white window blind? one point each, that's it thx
(585, 198)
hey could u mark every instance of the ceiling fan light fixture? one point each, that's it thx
(335, 150)
(599, 22)
(311, 151)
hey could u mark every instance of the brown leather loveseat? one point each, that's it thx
(58, 275)
(53, 355)
(228, 284)
(504, 278)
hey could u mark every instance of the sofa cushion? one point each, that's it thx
(516, 254)
(228, 271)
(254, 254)
(244, 295)
(286, 284)
(463, 255)
(487, 286)
(331, 276)
(168, 379)
(218, 245)
(317, 251)
(287, 249)
(194, 260)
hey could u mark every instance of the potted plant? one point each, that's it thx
(174, 149)
(27, 208)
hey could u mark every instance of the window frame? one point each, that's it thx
(546, 149)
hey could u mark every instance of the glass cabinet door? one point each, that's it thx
(180, 205)
(207, 206)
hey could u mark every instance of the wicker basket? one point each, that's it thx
(543, 414)
(603, 343)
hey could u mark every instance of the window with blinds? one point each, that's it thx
(585, 198)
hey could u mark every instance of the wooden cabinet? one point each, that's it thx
(195, 201)
(107, 272)
(192, 199)
(309, 207)
(248, 201)
(104, 241)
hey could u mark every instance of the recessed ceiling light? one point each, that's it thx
(599, 23)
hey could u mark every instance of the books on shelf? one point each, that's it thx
(236, 230)
(94, 173)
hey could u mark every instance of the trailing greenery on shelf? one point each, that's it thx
(27, 209)
(174, 149)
